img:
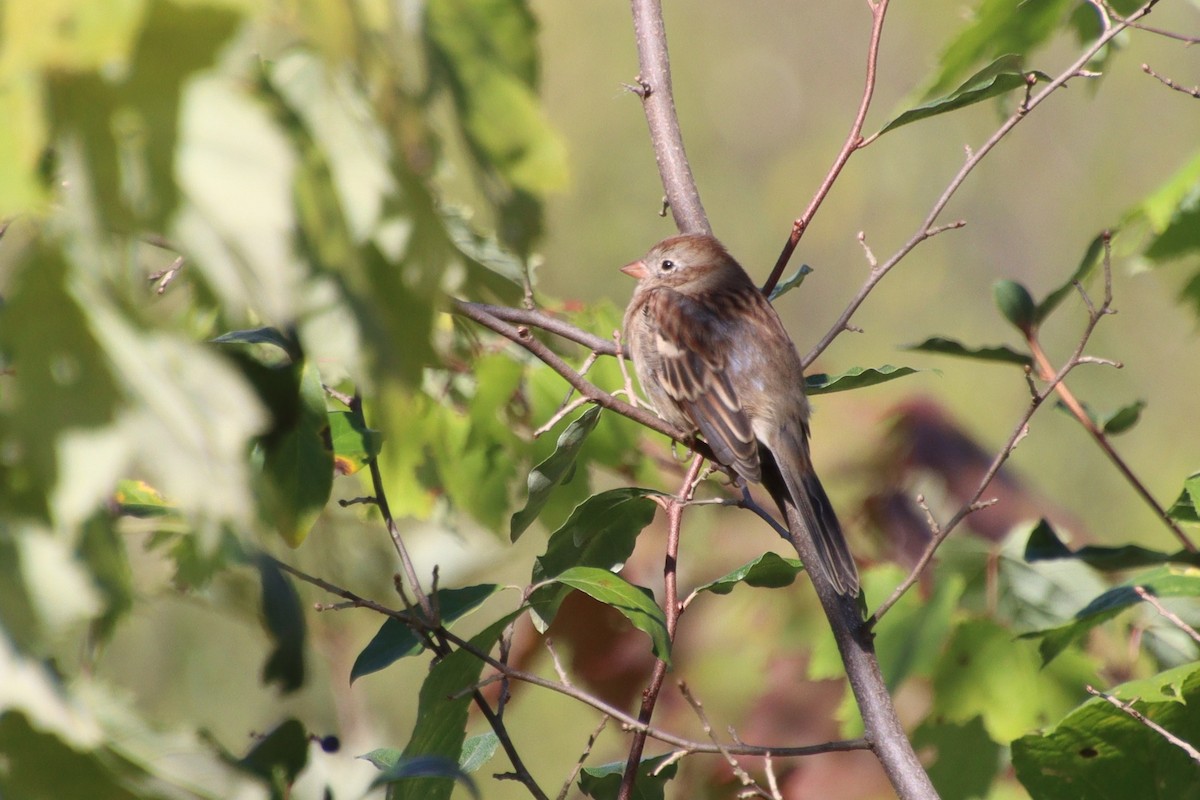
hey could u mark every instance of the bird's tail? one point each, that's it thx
(801, 488)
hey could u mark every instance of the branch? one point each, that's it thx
(853, 142)
(654, 87)
(1128, 708)
(1022, 428)
(674, 508)
(927, 227)
(483, 315)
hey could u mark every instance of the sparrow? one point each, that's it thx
(713, 358)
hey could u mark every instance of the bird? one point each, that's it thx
(713, 357)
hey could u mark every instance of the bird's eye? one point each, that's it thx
(668, 265)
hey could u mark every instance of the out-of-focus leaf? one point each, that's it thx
(477, 751)
(425, 767)
(61, 378)
(635, 603)
(1016, 304)
(967, 758)
(1114, 755)
(1123, 418)
(279, 756)
(854, 378)
(1187, 507)
(1091, 257)
(42, 766)
(395, 640)
(442, 715)
(787, 284)
(140, 499)
(1000, 77)
(284, 620)
(770, 570)
(1045, 545)
(985, 673)
(939, 344)
(354, 444)
(485, 51)
(128, 127)
(554, 470)
(265, 335)
(604, 782)
(103, 550)
(298, 464)
(996, 28)
(1164, 581)
(601, 533)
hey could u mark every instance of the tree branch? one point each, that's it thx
(658, 103)
(853, 142)
(927, 227)
(674, 507)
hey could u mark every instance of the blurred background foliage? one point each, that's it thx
(213, 207)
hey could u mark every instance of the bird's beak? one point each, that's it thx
(635, 270)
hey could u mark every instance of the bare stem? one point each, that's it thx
(853, 142)
(658, 103)
(674, 506)
(1128, 708)
(927, 226)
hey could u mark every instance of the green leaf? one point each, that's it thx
(854, 378)
(280, 756)
(997, 27)
(267, 335)
(1016, 304)
(1045, 545)
(635, 603)
(284, 621)
(1000, 77)
(554, 470)
(785, 286)
(1123, 418)
(396, 640)
(600, 532)
(1164, 581)
(140, 499)
(298, 464)
(424, 767)
(440, 729)
(1092, 256)
(939, 344)
(967, 758)
(1113, 755)
(354, 444)
(485, 51)
(604, 782)
(478, 750)
(985, 673)
(768, 571)
(1187, 507)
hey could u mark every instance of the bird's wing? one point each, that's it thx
(694, 351)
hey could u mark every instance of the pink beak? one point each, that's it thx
(635, 270)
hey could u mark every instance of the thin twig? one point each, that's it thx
(583, 757)
(1080, 413)
(927, 225)
(730, 759)
(1170, 84)
(1128, 708)
(164, 277)
(1169, 615)
(1019, 432)
(545, 321)
(658, 103)
(854, 141)
(674, 508)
